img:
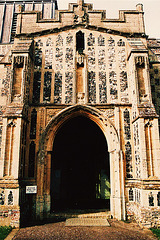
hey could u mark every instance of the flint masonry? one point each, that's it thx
(79, 123)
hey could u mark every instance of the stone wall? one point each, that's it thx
(145, 217)
(50, 78)
(10, 216)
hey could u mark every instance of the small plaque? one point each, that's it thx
(31, 189)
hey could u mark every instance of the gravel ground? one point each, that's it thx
(58, 231)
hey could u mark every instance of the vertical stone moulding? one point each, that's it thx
(9, 148)
(17, 78)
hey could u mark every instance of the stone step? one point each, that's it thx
(87, 222)
(81, 214)
(95, 215)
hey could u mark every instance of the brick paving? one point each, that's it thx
(59, 231)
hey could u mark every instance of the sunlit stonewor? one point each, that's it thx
(79, 112)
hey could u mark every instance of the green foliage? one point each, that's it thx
(4, 231)
(156, 231)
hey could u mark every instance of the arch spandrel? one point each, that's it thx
(105, 124)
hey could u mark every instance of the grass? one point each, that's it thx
(4, 231)
(156, 231)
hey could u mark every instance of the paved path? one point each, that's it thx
(58, 231)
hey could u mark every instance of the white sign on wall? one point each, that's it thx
(31, 189)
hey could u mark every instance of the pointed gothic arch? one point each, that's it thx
(46, 147)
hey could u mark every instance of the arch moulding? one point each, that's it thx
(46, 147)
(105, 124)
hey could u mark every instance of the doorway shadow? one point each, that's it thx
(80, 169)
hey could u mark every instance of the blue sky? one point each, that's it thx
(112, 7)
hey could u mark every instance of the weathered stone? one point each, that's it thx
(65, 64)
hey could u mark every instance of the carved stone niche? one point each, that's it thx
(140, 62)
(18, 61)
(17, 78)
(140, 68)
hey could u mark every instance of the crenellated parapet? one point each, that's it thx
(129, 22)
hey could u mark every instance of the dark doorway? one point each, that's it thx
(80, 169)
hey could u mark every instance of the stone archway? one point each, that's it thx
(117, 200)
(80, 168)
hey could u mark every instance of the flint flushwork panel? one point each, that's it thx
(2, 197)
(104, 54)
(102, 87)
(91, 58)
(58, 88)
(101, 59)
(69, 58)
(113, 85)
(47, 86)
(112, 69)
(38, 55)
(6, 83)
(68, 87)
(49, 54)
(92, 87)
(102, 70)
(69, 40)
(137, 150)
(128, 146)
(123, 71)
(59, 53)
(36, 87)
